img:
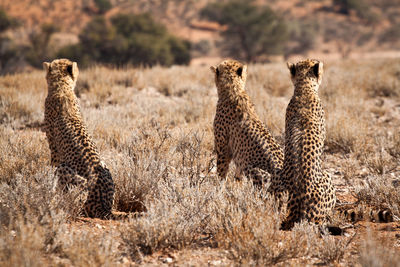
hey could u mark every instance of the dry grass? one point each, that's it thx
(373, 254)
(153, 128)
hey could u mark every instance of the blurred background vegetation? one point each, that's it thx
(168, 32)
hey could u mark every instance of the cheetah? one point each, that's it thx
(73, 152)
(239, 134)
(310, 190)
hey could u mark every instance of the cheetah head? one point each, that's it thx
(61, 69)
(309, 70)
(230, 72)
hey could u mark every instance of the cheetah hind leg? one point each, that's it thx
(73, 186)
(100, 196)
(68, 178)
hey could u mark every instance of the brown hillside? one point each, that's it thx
(335, 33)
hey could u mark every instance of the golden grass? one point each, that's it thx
(153, 128)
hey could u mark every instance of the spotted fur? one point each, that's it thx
(239, 134)
(310, 190)
(73, 152)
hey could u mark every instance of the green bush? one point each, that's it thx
(359, 6)
(103, 5)
(11, 55)
(128, 39)
(303, 37)
(202, 47)
(252, 31)
(39, 50)
(6, 22)
(391, 35)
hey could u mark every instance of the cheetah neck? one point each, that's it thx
(306, 87)
(236, 96)
(63, 93)
(229, 91)
(60, 86)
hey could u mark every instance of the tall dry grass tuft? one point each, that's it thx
(374, 254)
(22, 153)
(381, 192)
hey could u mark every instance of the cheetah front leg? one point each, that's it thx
(224, 157)
(223, 151)
(54, 154)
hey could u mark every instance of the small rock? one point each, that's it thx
(167, 260)
(216, 262)
(125, 260)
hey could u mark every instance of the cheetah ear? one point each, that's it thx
(215, 70)
(73, 70)
(292, 68)
(46, 66)
(318, 70)
(241, 70)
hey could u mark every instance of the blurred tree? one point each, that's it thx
(103, 5)
(251, 30)
(391, 35)
(128, 39)
(347, 5)
(38, 50)
(11, 55)
(98, 40)
(303, 37)
(6, 22)
(202, 47)
(360, 7)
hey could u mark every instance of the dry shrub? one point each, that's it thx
(87, 248)
(393, 147)
(179, 216)
(23, 152)
(344, 134)
(273, 79)
(35, 197)
(383, 85)
(20, 247)
(32, 216)
(137, 173)
(22, 99)
(35, 226)
(326, 248)
(373, 254)
(379, 163)
(250, 229)
(381, 192)
(347, 123)
(253, 237)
